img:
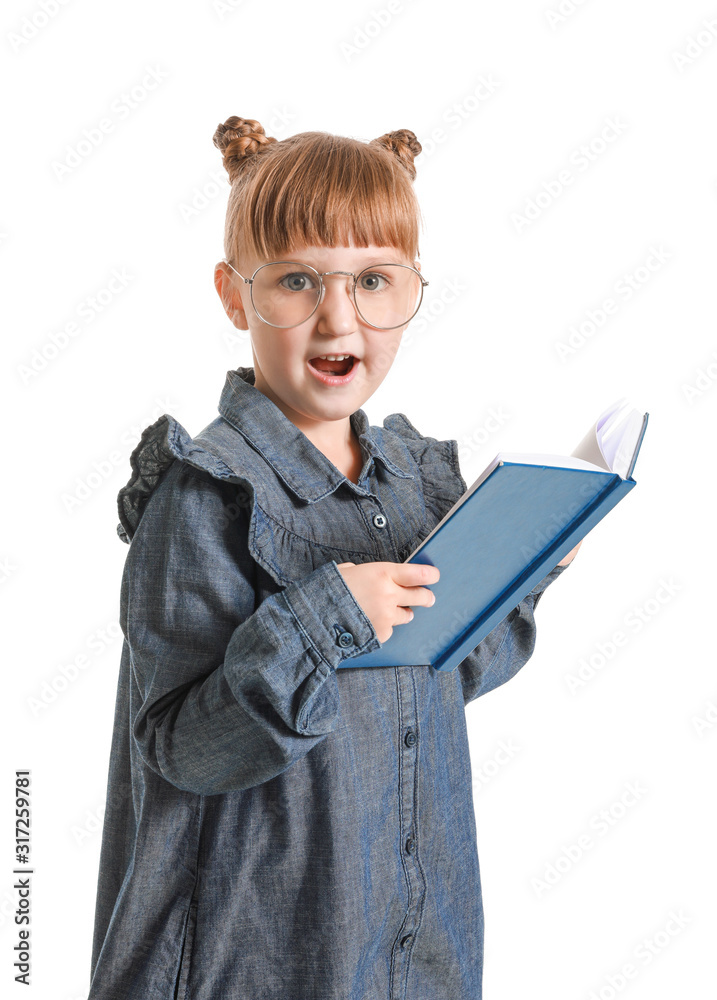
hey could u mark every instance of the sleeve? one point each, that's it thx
(226, 695)
(507, 648)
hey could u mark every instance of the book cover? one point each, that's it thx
(510, 528)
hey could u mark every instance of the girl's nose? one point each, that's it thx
(336, 311)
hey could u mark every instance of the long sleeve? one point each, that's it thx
(507, 648)
(225, 695)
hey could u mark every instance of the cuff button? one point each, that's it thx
(345, 639)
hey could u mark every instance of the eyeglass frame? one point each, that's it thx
(320, 275)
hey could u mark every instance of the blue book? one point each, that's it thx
(506, 533)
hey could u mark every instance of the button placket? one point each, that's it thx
(408, 820)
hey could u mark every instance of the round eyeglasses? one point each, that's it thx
(285, 293)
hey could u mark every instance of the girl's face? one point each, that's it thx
(282, 357)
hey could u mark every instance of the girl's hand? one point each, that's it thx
(385, 591)
(566, 560)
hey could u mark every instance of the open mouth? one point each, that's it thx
(334, 365)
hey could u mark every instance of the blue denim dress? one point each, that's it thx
(276, 829)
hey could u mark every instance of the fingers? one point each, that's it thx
(414, 574)
(413, 580)
(414, 596)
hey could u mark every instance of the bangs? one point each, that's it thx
(317, 189)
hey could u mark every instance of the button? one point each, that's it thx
(345, 639)
(513, 613)
(379, 520)
(406, 941)
(410, 845)
(410, 738)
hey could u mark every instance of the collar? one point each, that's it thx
(294, 458)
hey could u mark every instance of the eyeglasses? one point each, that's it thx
(285, 293)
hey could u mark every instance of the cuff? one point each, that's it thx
(330, 617)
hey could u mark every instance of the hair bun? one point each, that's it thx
(239, 139)
(404, 145)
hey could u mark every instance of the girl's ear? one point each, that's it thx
(230, 296)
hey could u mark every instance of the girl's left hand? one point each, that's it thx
(571, 555)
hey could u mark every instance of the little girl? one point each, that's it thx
(277, 828)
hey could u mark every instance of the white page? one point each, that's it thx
(610, 444)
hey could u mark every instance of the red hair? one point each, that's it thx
(315, 188)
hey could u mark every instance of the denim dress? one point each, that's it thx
(276, 829)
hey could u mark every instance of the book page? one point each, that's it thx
(610, 443)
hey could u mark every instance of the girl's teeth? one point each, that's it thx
(334, 357)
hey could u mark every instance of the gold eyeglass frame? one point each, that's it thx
(320, 275)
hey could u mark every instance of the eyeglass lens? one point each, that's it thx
(286, 294)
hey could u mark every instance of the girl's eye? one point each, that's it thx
(297, 281)
(372, 281)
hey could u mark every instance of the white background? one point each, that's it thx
(503, 296)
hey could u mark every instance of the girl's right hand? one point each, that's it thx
(385, 591)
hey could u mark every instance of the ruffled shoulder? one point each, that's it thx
(160, 444)
(437, 463)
